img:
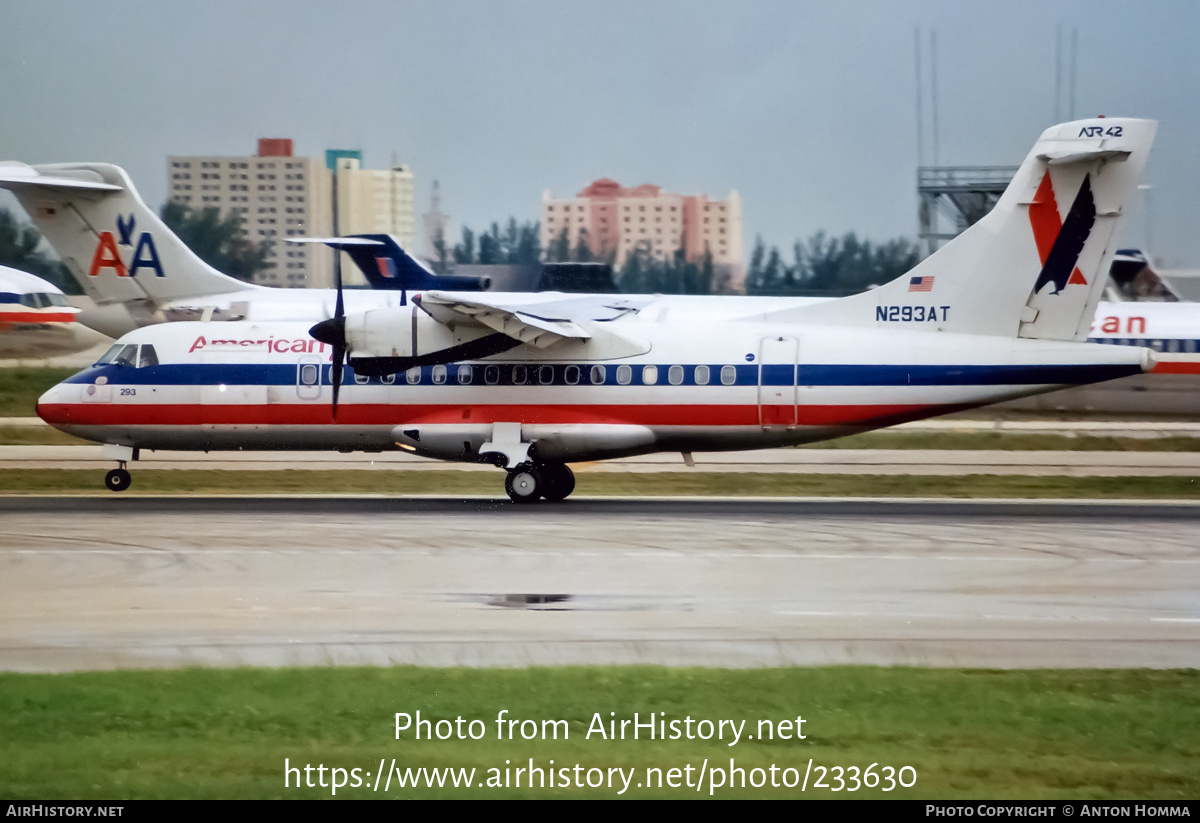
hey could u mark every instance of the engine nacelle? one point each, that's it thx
(388, 341)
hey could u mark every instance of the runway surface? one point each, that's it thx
(790, 461)
(97, 583)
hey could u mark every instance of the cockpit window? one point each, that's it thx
(41, 300)
(126, 354)
(121, 354)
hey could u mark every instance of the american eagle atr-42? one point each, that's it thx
(532, 382)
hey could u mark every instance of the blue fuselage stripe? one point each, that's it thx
(510, 374)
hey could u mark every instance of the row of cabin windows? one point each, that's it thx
(521, 375)
(35, 300)
(1172, 346)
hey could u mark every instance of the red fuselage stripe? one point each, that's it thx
(1177, 367)
(36, 317)
(383, 414)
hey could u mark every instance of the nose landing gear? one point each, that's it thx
(550, 481)
(118, 480)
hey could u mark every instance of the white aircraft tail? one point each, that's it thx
(112, 242)
(1036, 265)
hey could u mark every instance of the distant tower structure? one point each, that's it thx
(955, 197)
(435, 223)
(951, 197)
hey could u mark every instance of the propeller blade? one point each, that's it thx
(335, 374)
(339, 347)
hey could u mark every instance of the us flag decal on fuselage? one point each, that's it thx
(920, 284)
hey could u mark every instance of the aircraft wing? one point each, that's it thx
(538, 323)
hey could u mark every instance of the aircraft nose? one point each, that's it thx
(52, 406)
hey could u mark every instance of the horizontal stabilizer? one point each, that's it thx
(20, 175)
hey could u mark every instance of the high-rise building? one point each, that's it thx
(281, 196)
(613, 221)
(371, 201)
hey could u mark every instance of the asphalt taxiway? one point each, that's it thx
(96, 583)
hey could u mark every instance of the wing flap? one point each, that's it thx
(539, 324)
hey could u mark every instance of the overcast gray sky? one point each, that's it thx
(806, 108)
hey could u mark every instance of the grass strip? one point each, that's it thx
(38, 436)
(732, 484)
(1007, 441)
(211, 733)
(20, 388)
(956, 441)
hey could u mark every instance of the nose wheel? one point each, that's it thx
(118, 480)
(551, 481)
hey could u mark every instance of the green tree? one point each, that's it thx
(560, 249)
(221, 242)
(441, 262)
(19, 244)
(831, 266)
(464, 252)
(754, 273)
(490, 252)
(643, 273)
(583, 252)
(517, 244)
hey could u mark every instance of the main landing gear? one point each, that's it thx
(550, 481)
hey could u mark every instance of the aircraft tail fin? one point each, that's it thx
(389, 267)
(1036, 265)
(111, 241)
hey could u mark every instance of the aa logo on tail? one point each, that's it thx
(108, 256)
(1059, 242)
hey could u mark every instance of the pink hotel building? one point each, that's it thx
(617, 220)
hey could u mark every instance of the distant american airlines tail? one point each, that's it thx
(113, 243)
(1036, 265)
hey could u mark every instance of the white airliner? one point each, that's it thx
(135, 269)
(36, 320)
(533, 382)
(1171, 329)
(139, 273)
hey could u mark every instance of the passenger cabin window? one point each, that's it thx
(571, 375)
(675, 375)
(413, 375)
(491, 375)
(702, 375)
(464, 375)
(361, 379)
(308, 374)
(519, 375)
(728, 375)
(598, 375)
(546, 375)
(624, 375)
(439, 375)
(388, 379)
(649, 375)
